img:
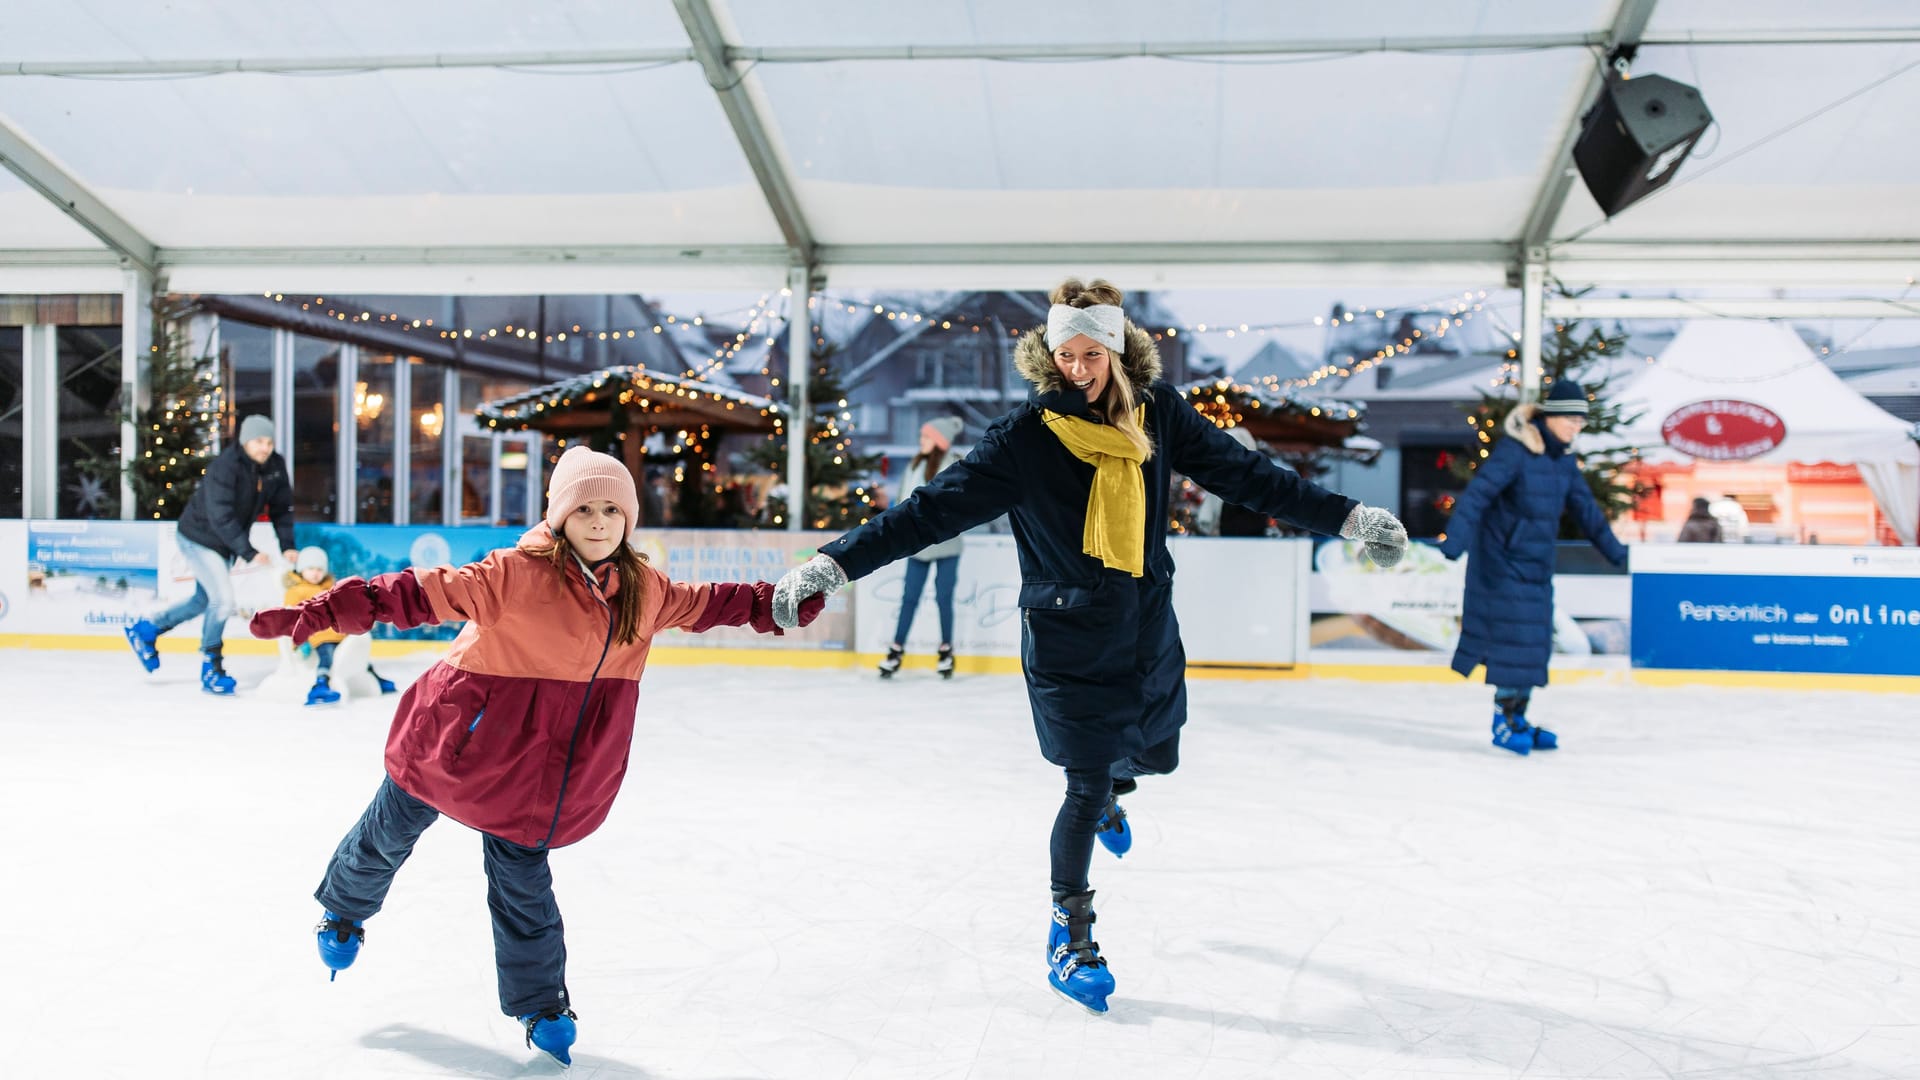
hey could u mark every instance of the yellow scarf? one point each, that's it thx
(1117, 504)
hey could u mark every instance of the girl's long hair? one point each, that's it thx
(1116, 402)
(933, 458)
(628, 602)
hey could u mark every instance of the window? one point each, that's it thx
(12, 420)
(316, 428)
(89, 424)
(373, 422)
(476, 478)
(425, 457)
(477, 390)
(1429, 486)
(246, 374)
(514, 463)
(479, 500)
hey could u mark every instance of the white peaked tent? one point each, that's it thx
(1766, 364)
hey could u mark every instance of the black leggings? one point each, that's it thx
(1079, 818)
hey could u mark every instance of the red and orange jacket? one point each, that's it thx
(522, 731)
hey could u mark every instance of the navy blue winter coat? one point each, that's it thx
(1507, 522)
(1106, 673)
(230, 497)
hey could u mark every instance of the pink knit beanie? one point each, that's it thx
(584, 475)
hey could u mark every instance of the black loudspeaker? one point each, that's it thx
(1634, 138)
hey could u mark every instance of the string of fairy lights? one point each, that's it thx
(749, 327)
(757, 321)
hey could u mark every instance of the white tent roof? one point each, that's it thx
(612, 145)
(1764, 364)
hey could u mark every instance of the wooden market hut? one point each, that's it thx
(620, 409)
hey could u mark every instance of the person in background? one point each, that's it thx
(936, 439)
(311, 576)
(1701, 527)
(246, 479)
(1508, 518)
(1732, 518)
(1218, 517)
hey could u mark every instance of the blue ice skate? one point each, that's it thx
(340, 939)
(1545, 740)
(214, 678)
(1113, 833)
(1513, 733)
(386, 684)
(1075, 968)
(141, 636)
(553, 1033)
(322, 693)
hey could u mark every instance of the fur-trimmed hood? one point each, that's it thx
(1519, 426)
(1141, 362)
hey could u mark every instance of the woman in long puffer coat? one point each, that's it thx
(1508, 520)
(1083, 470)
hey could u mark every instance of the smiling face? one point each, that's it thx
(595, 529)
(1085, 364)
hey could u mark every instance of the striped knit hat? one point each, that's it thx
(1564, 398)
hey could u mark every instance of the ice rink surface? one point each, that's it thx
(818, 874)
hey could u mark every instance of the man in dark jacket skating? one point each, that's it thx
(245, 479)
(1509, 520)
(1083, 470)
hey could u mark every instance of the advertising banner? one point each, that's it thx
(1412, 610)
(1756, 608)
(95, 577)
(1239, 601)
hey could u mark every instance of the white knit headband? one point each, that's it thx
(1104, 323)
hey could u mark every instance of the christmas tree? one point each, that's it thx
(837, 493)
(1570, 350)
(174, 431)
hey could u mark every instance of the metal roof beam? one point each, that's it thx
(1765, 307)
(802, 54)
(1629, 28)
(27, 161)
(750, 128)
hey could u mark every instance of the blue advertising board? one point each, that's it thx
(1827, 610)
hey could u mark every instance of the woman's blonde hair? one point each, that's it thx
(628, 602)
(1116, 402)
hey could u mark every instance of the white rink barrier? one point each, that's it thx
(1239, 601)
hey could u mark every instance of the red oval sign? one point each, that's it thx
(1723, 430)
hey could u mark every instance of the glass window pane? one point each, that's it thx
(374, 428)
(428, 423)
(12, 416)
(89, 424)
(476, 478)
(476, 390)
(514, 461)
(246, 373)
(316, 428)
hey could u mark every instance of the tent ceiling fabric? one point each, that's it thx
(1410, 165)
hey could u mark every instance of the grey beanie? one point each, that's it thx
(945, 428)
(255, 427)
